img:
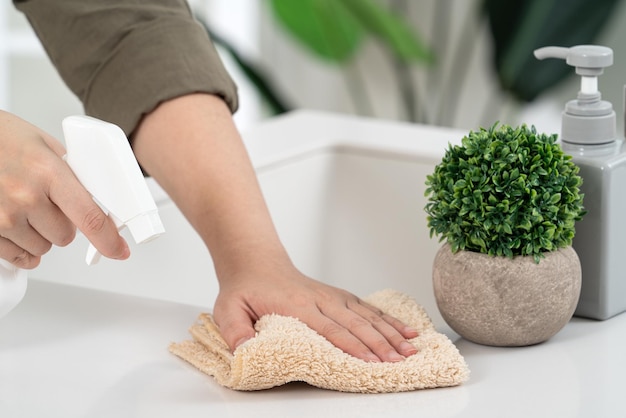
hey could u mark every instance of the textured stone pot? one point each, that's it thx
(506, 302)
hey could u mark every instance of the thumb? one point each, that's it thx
(235, 324)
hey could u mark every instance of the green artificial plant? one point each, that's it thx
(505, 192)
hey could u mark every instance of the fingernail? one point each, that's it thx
(125, 252)
(394, 357)
(407, 348)
(371, 357)
(410, 331)
(241, 341)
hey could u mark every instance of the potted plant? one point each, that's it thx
(505, 202)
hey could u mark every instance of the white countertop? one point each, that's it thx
(69, 351)
(72, 352)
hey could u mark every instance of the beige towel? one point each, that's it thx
(286, 350)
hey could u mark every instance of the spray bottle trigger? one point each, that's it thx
(93, 255)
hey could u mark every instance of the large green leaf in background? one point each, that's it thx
(390, 28)
(324, 26)
(334, 29)
(519, 27)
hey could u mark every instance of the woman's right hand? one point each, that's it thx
(42, 202)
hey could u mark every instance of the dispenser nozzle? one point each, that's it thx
(587, 120)
(589, 60)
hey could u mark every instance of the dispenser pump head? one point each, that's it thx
(587, 120)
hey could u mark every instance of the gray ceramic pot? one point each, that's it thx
(506, 302)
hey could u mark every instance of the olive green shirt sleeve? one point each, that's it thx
(123, 57)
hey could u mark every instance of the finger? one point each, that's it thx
(76, 203)
(45, 225)
(14, 225)
(342, 338)
(62, 231)
(16, 255)
(387, 326)
(50, 222)
(364, 331)
(236, 325)
(401, 327)
(24, 237)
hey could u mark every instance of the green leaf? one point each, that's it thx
(391, 29)
(555, 198)
(334, 29)
(326, 27)
(478, 241)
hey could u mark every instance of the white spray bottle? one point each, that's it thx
(101, 158)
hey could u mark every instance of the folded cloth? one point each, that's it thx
(286, 350)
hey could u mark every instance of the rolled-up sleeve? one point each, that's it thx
(124, 57)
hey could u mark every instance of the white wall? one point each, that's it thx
(29, 84)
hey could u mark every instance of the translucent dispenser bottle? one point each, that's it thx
(588, 134)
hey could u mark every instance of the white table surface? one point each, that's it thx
(73, 352)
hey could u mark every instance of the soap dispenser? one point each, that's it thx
(588, 134)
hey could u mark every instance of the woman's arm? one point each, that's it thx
(192, 148)
(148, 60)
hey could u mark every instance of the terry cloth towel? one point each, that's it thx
(286, 350)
